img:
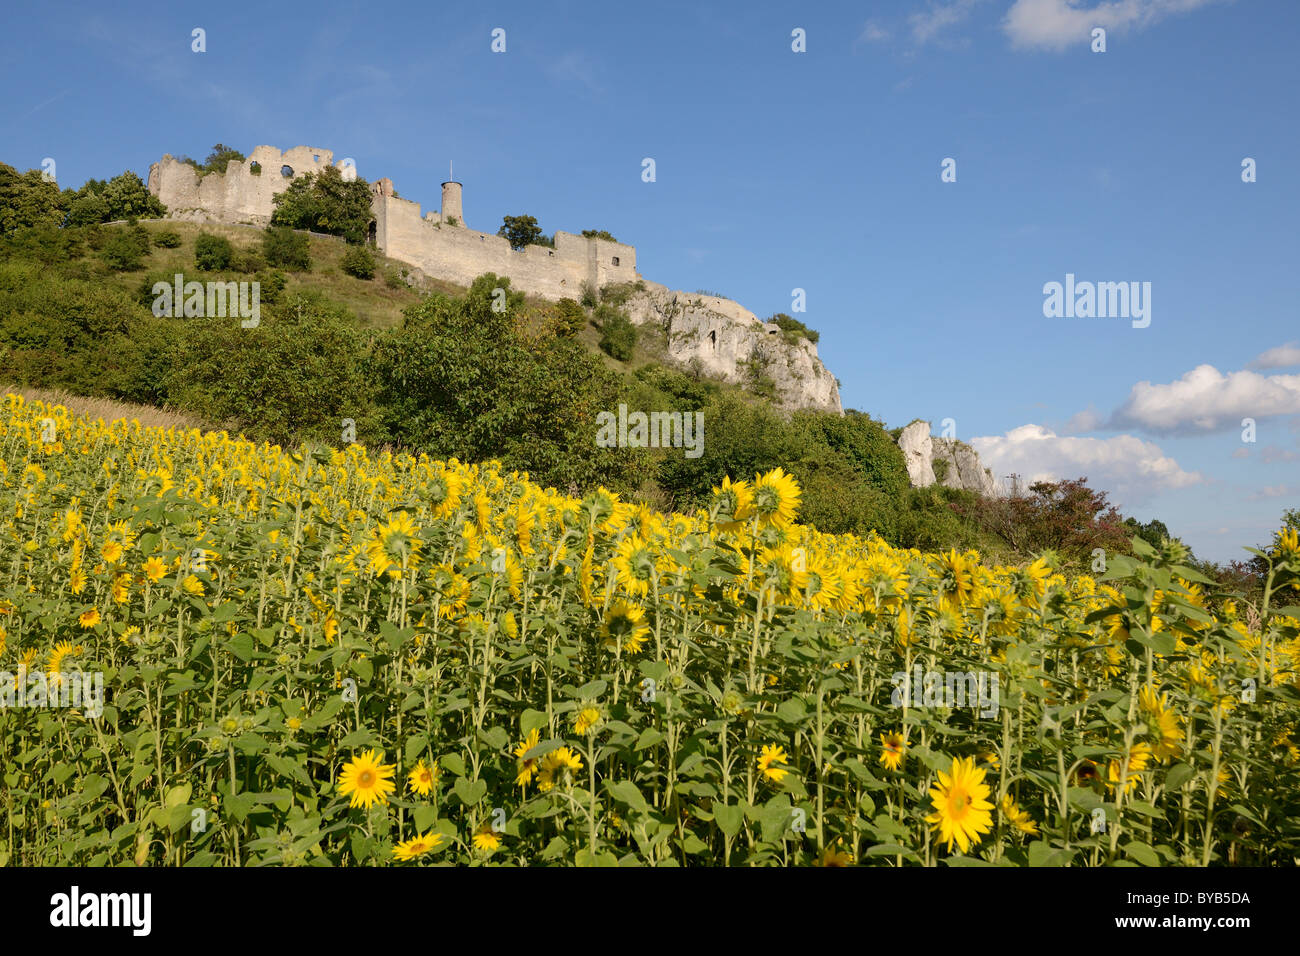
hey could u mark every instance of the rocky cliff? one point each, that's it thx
(724, 340)
(944, 461)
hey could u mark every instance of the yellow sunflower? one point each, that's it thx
(417, 846)
(625, 624)
(560, 766)
(962, 812)
(526, 768)
(367, 780)
(1016, 817)
(771, 755)
(422, 778)
(776, 498)
(893, 750)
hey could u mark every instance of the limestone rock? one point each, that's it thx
(724, 340)
(964, 469)
(918, 454)
(944, 461)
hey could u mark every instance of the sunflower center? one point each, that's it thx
(366, 778)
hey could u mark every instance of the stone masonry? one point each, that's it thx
(712, 334)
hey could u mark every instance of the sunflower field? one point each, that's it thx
(332, 657)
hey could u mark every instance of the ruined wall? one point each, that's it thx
(459, 255)
(239, 195)
(718, 336)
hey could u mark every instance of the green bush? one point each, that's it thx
(212, 253)
(570, 318)
(461, 379)
(293, 377)
(617, 333)
(167, 239)
(793, 330)
(124, 249)
(359, 263)
(283, 247)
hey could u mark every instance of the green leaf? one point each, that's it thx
(1178, 775)
(1142, 854)
(730, 817)
(627, 792)
(470, 792)
(531, 720)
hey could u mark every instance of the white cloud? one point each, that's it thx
(1126, 466)
(1284, 356)
(1275, 491)
(873, 32)
(1206, 400)
(1057, 24)
(939, 17)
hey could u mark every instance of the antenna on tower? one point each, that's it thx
(451, 176)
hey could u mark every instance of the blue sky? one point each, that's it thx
(817, 170)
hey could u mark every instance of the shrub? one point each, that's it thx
(167, 239)
(588, 297)
(281, 246)
(394, 279)
(793, 329)
(212, 253)
(570, 318)
(359, 263)
(618, 334)
(124, 250)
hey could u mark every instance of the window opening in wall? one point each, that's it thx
(616, 260)
(315, 157)
(286, 171)
(255, 168)
(713, 339)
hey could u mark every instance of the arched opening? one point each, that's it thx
(255, 168)
(371, 233)
(286, 171)
(713, 338)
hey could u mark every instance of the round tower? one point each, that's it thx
(451, 203)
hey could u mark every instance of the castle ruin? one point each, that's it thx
(709, 333)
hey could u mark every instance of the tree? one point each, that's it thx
(220, 157)
(27, 199)
(1066, 516)
(459, 378)
(570, 318)
(520, 231)
(598, 234)
(617, 333)
(325, 202)
(123, 197)
(293, 377)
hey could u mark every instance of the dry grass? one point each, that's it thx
(107, 409)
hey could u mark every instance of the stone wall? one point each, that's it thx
(715, 335)
(458, 254)
(239, 195)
